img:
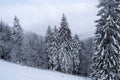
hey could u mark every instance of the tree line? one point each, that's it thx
(59, 50)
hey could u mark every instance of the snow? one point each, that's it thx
(10, 71)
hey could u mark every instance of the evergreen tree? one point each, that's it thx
(17, 39)
(65, 47)
(49, 40)
(52, 48)
(77, 51)
(54, 51)
(107, 57)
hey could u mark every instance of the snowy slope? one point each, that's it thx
(10, 71)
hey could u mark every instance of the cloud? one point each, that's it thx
(36, 15)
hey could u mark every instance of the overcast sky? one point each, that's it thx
(36, 15)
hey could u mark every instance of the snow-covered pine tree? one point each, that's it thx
(77, 52)
(17, 39)
(65, 47)
(49, 40)
(107, 57)
(54, 50)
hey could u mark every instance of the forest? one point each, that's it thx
(60, 50)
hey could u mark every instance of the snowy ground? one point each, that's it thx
(10, 71)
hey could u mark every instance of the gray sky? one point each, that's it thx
(36, 15)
